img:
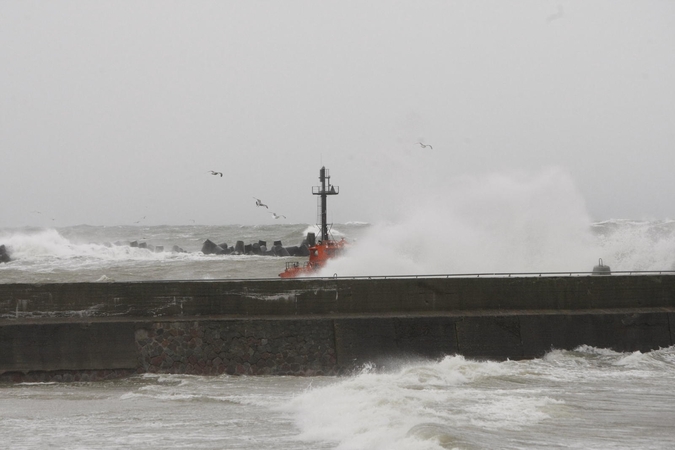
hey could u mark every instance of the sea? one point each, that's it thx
(585, 398)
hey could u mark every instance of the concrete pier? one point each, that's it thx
(89, 331)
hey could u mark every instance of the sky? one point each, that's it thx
(115, 112)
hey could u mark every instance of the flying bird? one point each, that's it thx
(426, 145)
(259, 202)
(140, 219)
(277, 216)
(213, 172)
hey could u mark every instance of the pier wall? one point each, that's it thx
(88, 331)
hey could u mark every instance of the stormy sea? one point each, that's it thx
(588, 398)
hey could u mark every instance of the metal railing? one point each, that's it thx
(496, 275)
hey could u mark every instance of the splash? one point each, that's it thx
(491, 223)
(637, 245)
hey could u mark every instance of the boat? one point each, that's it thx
(325, 248)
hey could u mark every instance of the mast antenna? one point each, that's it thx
(323, 191)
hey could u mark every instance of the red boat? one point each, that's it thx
(326, 247)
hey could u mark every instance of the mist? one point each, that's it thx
(116, 112)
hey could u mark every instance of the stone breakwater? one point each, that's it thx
(237, 348)
(92, 331)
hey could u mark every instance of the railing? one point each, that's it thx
(335, 276)
(497, 275)
(330, 190)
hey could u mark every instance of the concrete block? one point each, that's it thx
(619, 332)
(359, 341)
(489, 337)
(379, 340)
(67, 346)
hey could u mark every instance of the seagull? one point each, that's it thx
(425, 146)
(259, 202)
(277, 216)
(213, 172)
(140, 219)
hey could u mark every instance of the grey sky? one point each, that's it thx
(114, 111)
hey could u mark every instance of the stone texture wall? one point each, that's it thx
(238, 347)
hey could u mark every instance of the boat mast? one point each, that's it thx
(324, 190)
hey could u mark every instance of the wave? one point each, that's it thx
(418, 406)
(50, 244)
(455, 402)
(505, 223)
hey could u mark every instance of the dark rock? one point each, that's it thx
(292, 251)
(262, 243)
(142, 245)
(280, 251)
(255, 248)
(4, 255)
(248, 249)
(209, 248)
(133, 244)
(239, 247)
(159, 248)
(303, 250)
(177, 249)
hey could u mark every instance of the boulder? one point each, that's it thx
(303, 250)
(4, 255)
(177, 249)
(239, 248)
(133, 244)
(210, 248)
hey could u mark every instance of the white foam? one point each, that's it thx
(49, 244)
(637, 245)
(389, 410)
